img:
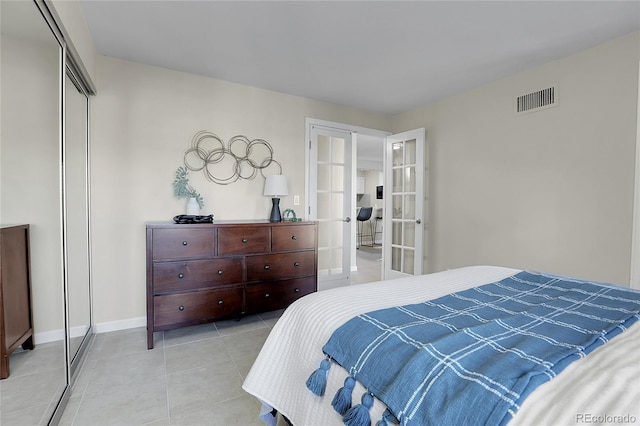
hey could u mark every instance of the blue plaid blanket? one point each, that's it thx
(472, 357)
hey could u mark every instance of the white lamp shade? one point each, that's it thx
(275, 185)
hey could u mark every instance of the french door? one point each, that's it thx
(404, 204)
(330, 202)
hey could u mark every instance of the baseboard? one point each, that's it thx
(105, 327)
(48, 336)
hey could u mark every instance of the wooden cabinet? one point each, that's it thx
(199, 273)
(16, 318)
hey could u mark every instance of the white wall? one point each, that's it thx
(143, 120)
(77, 32)
(550, 190)
(635, 248)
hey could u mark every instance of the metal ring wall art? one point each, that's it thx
(240, 159)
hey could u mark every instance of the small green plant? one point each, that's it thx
(182, 189)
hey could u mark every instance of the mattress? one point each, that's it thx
(603, 387)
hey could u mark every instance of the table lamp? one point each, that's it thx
(275, 185)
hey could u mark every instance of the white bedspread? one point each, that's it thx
(601, 388)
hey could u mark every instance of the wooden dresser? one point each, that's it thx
(200, 273)
(16, 314)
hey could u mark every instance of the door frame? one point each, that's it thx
(308, 123)
(635, 232)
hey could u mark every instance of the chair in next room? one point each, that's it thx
(364, 215)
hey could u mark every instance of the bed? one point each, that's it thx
(603, 387)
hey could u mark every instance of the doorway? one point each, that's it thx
(331, 182)
(367, 262)
(337, 247)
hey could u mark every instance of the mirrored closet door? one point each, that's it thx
(44, 183)
(76, 196)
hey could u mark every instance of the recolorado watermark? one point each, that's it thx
(586, 418)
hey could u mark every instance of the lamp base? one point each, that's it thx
(275, 211)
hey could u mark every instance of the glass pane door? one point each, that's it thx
(330, 203)
(404, 176)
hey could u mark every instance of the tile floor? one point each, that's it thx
(369, 262)
(36, 381)
(193, 376)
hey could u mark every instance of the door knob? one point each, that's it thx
(348, 219)
(418, 221)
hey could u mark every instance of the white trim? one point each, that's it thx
(341, 126)
(106, 327)
(58, 335)
(635, 233)
(48, 336)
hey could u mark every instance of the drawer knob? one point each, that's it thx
(180, 275)
(220, 272)
(294, 237)
(267, 295)
(267, 267)
(244, 240)
(296, 263)
(220, 302)
(296, 290)
(184, 243)
(181, 308)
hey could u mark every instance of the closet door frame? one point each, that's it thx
(70, 63)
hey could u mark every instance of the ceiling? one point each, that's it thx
(380, 56)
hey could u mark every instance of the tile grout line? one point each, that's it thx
(166, 377)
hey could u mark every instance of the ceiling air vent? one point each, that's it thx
(536, 101)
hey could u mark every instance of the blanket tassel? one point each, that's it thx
(387, 419)
(342, 400)
(317, 381)
(359, 415)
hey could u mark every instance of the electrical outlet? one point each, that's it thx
(296, 200)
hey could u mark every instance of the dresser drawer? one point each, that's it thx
(207, 272)
(278, 294)
(243, 240)
(294, 237)
(280, 265)
(194, 274)
(196, 306)
(183, 243)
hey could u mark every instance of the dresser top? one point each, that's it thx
(14, 226)
(224, 223)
